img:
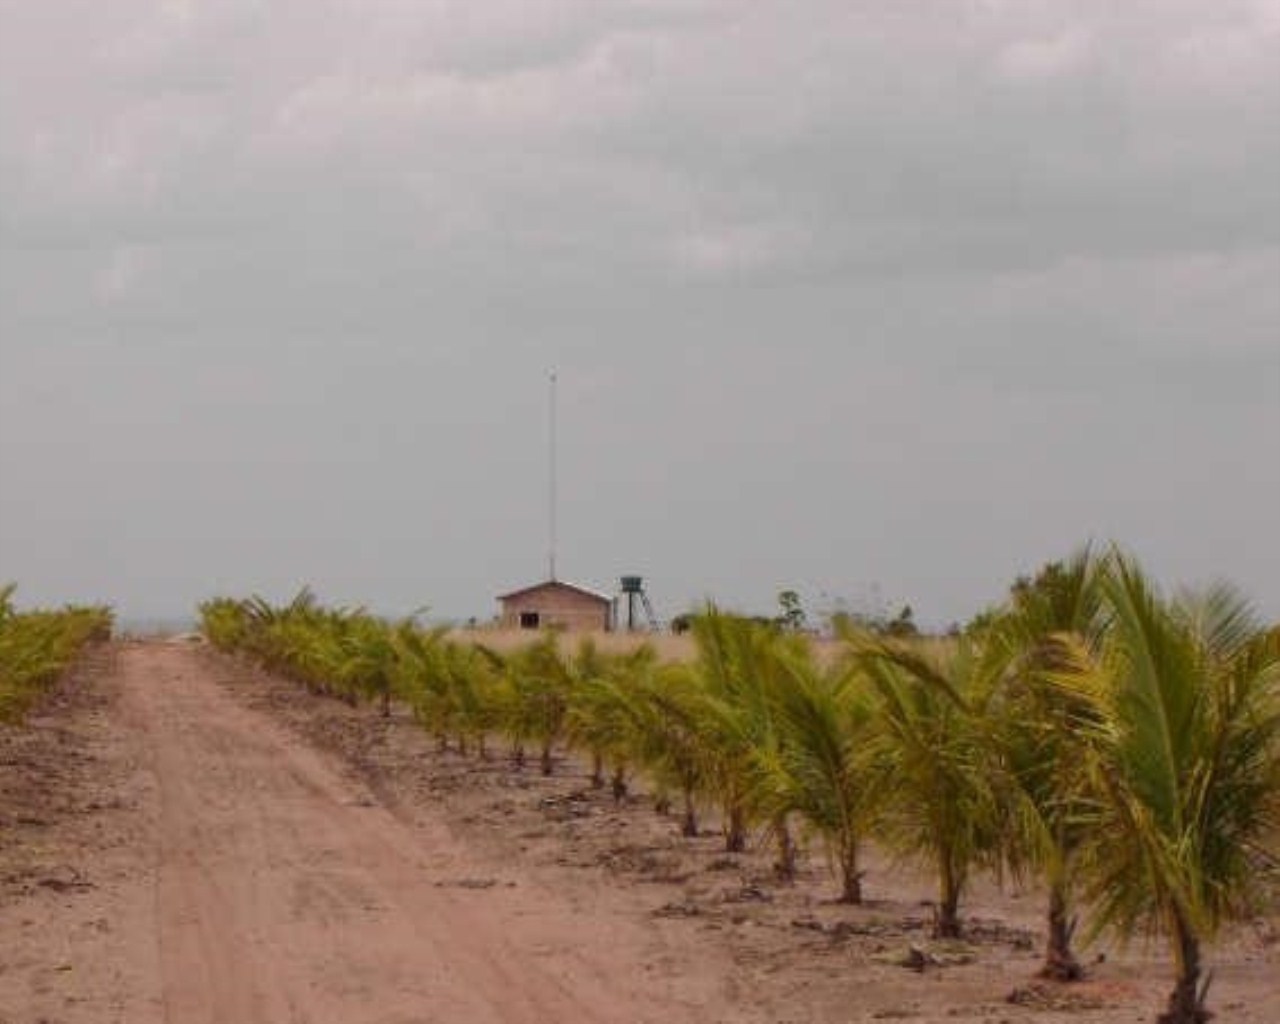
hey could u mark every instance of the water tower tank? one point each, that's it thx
(633, 590)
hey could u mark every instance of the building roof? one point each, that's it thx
(576, 588)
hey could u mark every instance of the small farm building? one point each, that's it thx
(558, 604)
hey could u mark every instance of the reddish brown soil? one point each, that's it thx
(185, 839)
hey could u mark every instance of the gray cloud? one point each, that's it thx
(853, 297)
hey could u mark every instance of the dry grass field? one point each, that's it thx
(668, 646)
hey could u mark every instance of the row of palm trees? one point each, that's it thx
(36, 647)
(1123, 746)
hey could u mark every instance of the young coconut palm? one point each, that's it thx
(932, 748)
(533, 697)
(738, 664)
(37, 646)
(223, 621)
(370, 654)
(599, 719)
(423, 679)
(1185, 761)
(473, 683)
(505, 700)
(666, 707)
(821, 769)
(1037, 735)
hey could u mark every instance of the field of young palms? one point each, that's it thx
(1121, 746)
(36, 647)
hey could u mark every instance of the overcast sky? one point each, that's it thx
(879, 301)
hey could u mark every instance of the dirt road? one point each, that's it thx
(244, 878)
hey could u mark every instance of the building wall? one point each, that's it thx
(557, 606)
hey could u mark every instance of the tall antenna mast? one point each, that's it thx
(551, 495)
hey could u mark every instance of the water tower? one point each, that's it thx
(633, 590)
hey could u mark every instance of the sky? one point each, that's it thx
(882, 302)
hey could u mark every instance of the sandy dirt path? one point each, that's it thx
(266, 885)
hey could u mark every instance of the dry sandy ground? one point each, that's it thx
(184, 839)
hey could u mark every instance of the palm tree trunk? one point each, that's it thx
(785, 866)
(1060, 963)
(546, 758)
(947, 925)
(735, 833)
(618, 784)
(597, 770)
(1186, 1001)
(689, 827)
(850, 875)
